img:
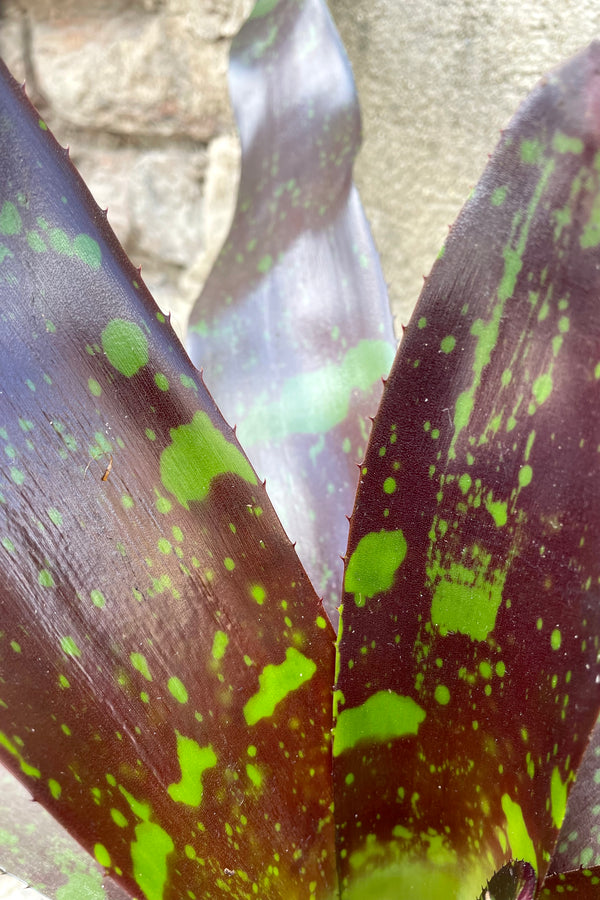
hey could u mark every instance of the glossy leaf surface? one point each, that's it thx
(165, 667)
(468, 678)
(293, 329)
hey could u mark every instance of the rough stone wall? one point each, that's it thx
(138, 90)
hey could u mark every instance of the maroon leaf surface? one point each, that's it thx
(582, 884)
(293, 329)
(468, 674)
(165, 667)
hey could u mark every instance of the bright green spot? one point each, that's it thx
(258, 593)
(219, 646)
(10, 219)
(8, 544)
(562, 143)
(64, 682)
(254, 774)
(374, 563)
(542, 388)
(118, 818)
(448, 344)
(45, 579)
(149, 851)
(161, 381)
(497, 509)
(315, 402)
(17, 475)
(442, 695)
(194, 761)
(55, 788)
(265, 264)
(276, 682)
(525, 475)
(320, 622)
(558, 797)
(520, 842)
(177, 688)
(15, 646)
(389, 485)
(164, 546)
(94, 387)
(126, 346)
(98, 598)
(383, 717)
(140, 664)
(499, 195)
(198, 453)
(556, 639)
(87, 250)
(466, 599)
(26, 769)
(422, 322)
(229, 564)
(69, 646)
(464, 483)
(102, 856)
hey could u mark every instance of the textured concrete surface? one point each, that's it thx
(437, 80)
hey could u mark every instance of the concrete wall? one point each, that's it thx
(137, 88)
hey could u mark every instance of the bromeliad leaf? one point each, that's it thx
(293, 329)
(165, 665)
(468, 673)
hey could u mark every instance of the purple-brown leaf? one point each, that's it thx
(165, 666)
(468, 674)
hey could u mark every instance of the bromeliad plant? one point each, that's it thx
(166, 666)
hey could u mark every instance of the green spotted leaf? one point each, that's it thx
(468, 676)
(578, 884)
(293, 329)
(165, 666)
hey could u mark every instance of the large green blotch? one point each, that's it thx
(315, 402)
(384, 716)
(197, 454)
(374, 563)
(276, 682)
(466, 599)
(149, 851)
(126, 346)
(418, 880)
(521, 844)
(194, 761)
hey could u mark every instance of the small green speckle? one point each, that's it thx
(102, 856)
(161, 381)
(442, 695)
(525, 475)
(98, 598)
(55, 517)
(499, 195)
(229, 564)
(265, 264)
(258, 593)
(55, 788)
(219, 646)
(8, 545)
(389, 485)
(94, 387)
(45, 579)
(555, 639)
(118, 818)
(448, 344)
(254, 774)
(10, 219)
(177, 689)
(320, 622)
(15, 646)
(69, 646)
